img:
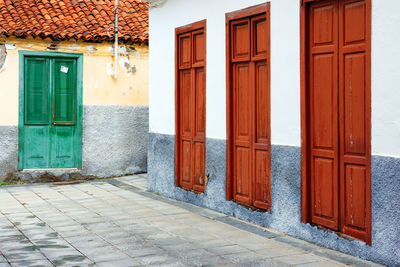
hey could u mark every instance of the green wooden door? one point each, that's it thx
(51, 138)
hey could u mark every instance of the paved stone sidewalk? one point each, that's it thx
(114, 223)
(137, 180)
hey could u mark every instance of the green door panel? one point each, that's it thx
(63, 130)
(62, 147)
(64, 80)
(50, 134)
(37, 85)
(36, 152)
(36, 128)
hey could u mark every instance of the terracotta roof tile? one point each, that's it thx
(87, 20)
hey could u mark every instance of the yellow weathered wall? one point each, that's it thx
(99, 85)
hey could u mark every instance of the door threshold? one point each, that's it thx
(51, 170)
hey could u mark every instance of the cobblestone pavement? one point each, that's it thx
(115, 223)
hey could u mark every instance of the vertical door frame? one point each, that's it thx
(180, 30)
(305, 123)
(79, 79)
(242, 13)
(305, 184)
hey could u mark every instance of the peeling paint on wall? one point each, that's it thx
(73, 47)
(10, 46)
(126, 55)
(125, 63)
(99, 87)
(110, 68)
(91, 49)
(52, 46)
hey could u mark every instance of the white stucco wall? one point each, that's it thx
(385, 77)
(285, 68)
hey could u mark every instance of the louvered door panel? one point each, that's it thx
(37, 88)
(64, 97)
(37, 112)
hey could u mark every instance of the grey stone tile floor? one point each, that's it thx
(138, 180)
(116, 222)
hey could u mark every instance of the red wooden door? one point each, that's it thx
(250, 109)
(190, 104)
(339, 115)
(355, 120)
(323, 86)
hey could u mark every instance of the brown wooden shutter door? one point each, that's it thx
(261, 117)
(199, 102)
(355, 103)
(191, 85)
(323, 69)
(249, 72)
(339, 115)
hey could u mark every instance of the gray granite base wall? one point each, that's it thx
(8, 151)
(285, 212)
(114, 143)
(114, 140)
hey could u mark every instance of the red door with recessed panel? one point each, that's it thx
(324, 120)
(338, 103)
(190, 107)
(248, 107)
